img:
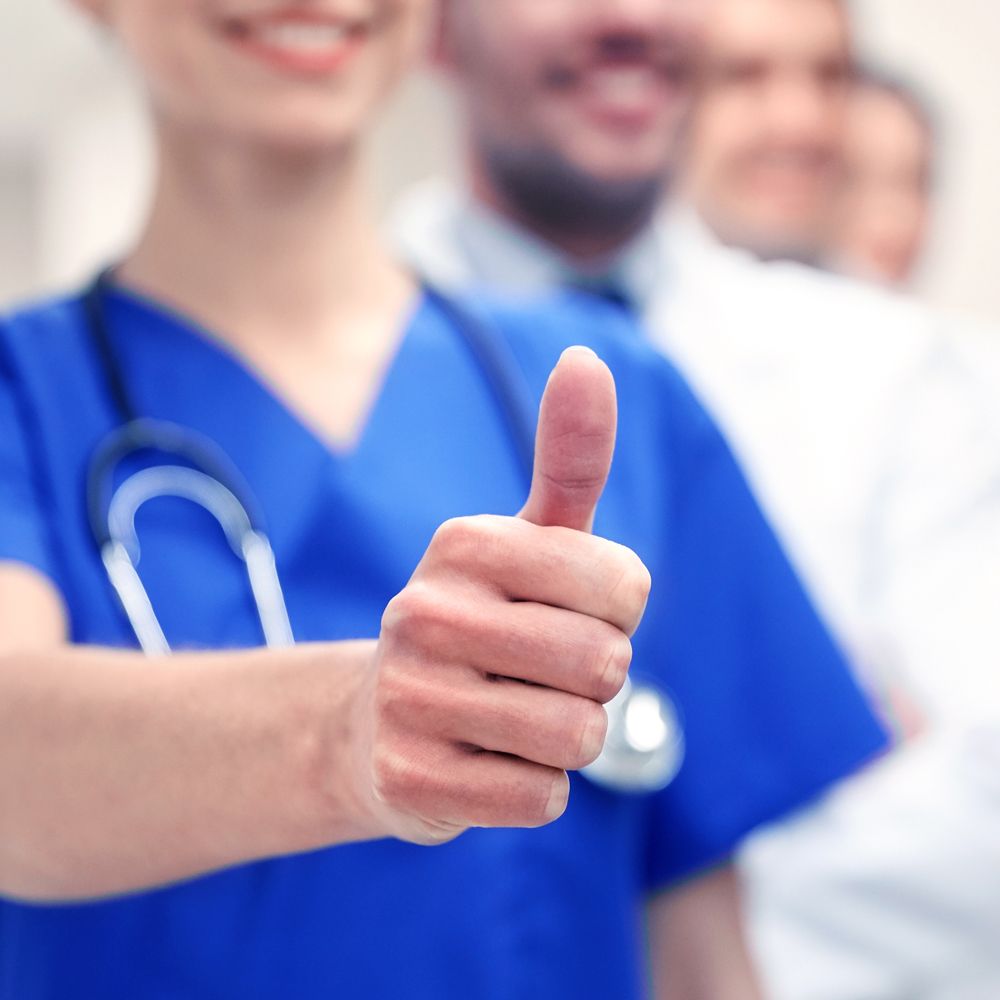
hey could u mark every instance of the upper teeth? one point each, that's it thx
(303, 37)
(623, 84)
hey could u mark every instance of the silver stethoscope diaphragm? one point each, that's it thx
(644, 748)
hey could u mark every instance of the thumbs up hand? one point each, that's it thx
(495, 661)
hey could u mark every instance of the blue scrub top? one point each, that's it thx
(770, 714)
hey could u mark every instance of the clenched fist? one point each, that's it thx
(495, 662)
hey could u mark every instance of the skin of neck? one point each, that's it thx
(261, 241)
(587, 221)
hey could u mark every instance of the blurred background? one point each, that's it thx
(66, 206)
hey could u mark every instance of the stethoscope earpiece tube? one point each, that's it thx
(503, 375)
(207, 478)
(113, 512)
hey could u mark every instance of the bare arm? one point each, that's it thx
(699, 949)
(117, 772)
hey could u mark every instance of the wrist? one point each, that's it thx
(329, 726)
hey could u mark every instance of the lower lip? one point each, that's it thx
(637, 114)
(636, 118)
(323, 62)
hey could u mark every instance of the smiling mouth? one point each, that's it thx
(295, 41)
(628, 86)
(625, 95)
(623, 86)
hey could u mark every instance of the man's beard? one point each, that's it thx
(563, 204)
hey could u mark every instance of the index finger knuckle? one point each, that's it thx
(414, 609)
(629, 590)
(466, 544)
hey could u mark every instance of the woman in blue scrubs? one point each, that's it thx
(238, 822)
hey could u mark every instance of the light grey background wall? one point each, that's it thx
(74, 157)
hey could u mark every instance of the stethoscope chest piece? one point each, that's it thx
(644, 749)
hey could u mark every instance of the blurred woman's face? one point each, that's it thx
(885, 209)
(298, 74)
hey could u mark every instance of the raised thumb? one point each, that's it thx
(575, 442)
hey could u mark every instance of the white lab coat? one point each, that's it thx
(870, 430)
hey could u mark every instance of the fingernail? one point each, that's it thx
(614, 675)
(595, 736)
(579, 349)
(558, 799)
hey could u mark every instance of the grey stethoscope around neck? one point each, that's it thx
(645, 743)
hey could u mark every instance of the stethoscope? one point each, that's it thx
(645, 743)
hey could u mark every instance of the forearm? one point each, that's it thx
(698, 943)
(119, 773)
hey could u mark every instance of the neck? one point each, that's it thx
(265, 241)
(587, 221)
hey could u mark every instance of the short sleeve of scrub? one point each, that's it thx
(769, 714)
(779, 715)
(23, 537)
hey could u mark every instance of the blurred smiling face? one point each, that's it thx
(599, 87)
(885, 209)
(300, 74)
(766, 152)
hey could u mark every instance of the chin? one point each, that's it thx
(300, 129)
(621, 166)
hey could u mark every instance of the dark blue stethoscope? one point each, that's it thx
(645, 743)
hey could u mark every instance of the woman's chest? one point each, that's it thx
(346, 533)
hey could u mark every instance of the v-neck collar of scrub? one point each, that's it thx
(175, 320)
(273, 448)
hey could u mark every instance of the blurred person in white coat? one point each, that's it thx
(866, 431)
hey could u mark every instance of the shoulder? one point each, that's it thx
(700, 263)
(834, 302)
(782, 344)
(43, 329)
(538, 330)
(796, 313)
(43, 353)
(52, 314)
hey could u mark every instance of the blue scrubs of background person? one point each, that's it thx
(769, 713)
